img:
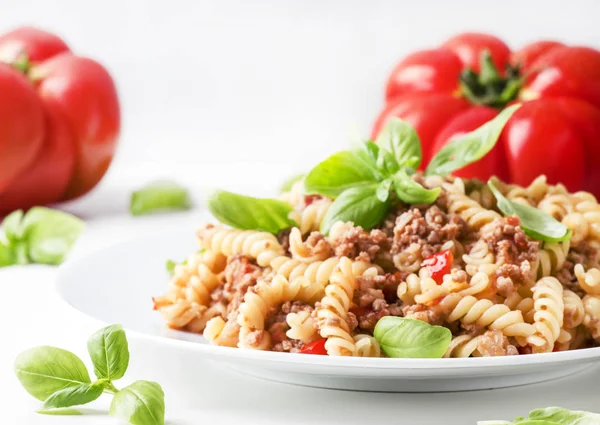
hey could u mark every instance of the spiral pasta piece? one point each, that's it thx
(574, 310)
(551, 258)
(469, 210)
(431, 292)
(483, 196)
(463, 346)
(525, 305)
(586, 204)
(591, 320)
(310, 217)
(588, 280)
(302, 327)
(295, 196)
(479, 258)
(230, 242)
(556, 205)
(549, 314)
(219, 332)
(333, 309)
(366, 346)
(301, 251)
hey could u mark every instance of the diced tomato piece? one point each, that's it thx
(317, 347)
(439, 265)
(309, 199)
(513, 220)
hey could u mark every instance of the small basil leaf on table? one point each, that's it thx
(401, 140)
(159, 196)
(534, 222)
(50, 234)
(45, 370)
(469, 147)
(411, 338)
(411, 192)
(141, 403)
(75, 395)
(287, 185)
(13, 226)
(248, 213)
(170, 266)
(339, 172)
(359, 205)
(383, 190)
(109, 352)
(563, 416)
(7, 257)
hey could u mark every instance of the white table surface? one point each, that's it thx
(32, 314)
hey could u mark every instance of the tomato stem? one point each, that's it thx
(489, 87)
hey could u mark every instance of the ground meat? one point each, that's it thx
(283, 238)
(494, 343)
(318, 245)
(277, 326)
(240, 274)
(375, 298)
(584, 254)
(428, 229)
(430, 315)
(361, 245)
(472, 329)
(514, 253)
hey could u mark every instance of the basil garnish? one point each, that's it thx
(359, 205)
(159, 196)
(469, 147)
(401, 140)
(411, 338)
(412, 192)
(552, 416)
(534, 222)
(61, 380)
(248, 213)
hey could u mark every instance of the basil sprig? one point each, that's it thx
(534, 222)
(42, 236)
(551, 416)
(470, 147)
(159, 196)
(60, 379)
(411, 338)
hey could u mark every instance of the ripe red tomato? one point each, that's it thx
(316, 347)
(556, 132)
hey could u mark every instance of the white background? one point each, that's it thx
(239, 94)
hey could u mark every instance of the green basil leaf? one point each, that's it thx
(534, 222)
(159, 196)
(341, 171)
(287, 185)
(75, 395)
(59, 412)
(50, 234)
(411, 338)
(359, 205)
(46, 370)
(411, 192)
(383, 190)
(109, 351)
(247, 213)
(13, 226)
(141, 403)
(469, 147)
(401, 139)
(561, 416)
(7, 257)
(170, 266)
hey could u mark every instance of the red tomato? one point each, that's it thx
(468, 47)
(439, 265)
(21, 125)
(494, 163)
(529, 53)
(37, 44)
(427, 113)
(425, 71)
(47, 178)
(317, 347)
(83, 92)
(539, 129)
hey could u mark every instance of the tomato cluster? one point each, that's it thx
(59, 120)
(453, 89)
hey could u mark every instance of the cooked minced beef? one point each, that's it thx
(319, 245)
(514, 253)
(359, 244)
(494, 343)
(430, 229)
(277, 326)
(583, 254)
(432, 316)
(375, 298)
(240, 274)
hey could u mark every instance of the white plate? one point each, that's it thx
(115, 285)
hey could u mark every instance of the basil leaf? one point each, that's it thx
(411, 192)
(60, 412)
(341, 171)
(109, 352)
(50, 234)
(378, 159)
(13, 226)
(141, 403)
(45, 370)
(534, 222)
(159, 196)
(469, 147)
(247, 213)
(560, 416)
(359, 205)
(170, 266)
(383, 190)
(6, 255)
(401, 139)
(287, 185)
(75, 395)
(411, 338)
